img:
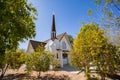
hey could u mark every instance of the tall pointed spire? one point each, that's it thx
(53, 30)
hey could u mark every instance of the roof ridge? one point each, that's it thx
(37, 41)
(35, 44)
(63, 35)
(60, 35)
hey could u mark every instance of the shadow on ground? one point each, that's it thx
(114, 77)
(26, 77)
(54, 77)
(18, 76)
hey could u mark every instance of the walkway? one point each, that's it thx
(68, 68)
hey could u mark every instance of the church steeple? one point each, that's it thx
(53, 30)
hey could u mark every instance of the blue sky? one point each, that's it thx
(68, 15)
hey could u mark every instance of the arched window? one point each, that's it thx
(65, 55)
(63, 45)
(57, 55)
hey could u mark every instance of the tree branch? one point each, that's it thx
(116, 6)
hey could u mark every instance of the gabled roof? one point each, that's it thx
(59, 37)
(35, 44)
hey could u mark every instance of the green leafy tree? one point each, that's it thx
(118, 56)
(110, 19)
(90, 47)
(15, 58)
(40, 60)
(71, 38)
(16, 24)
(54, 62)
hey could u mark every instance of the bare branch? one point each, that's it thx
(116, 5)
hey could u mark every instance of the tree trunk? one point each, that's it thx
(3, 71)
(2, 74)
(102, 77)
(87, 72)
(38, 74)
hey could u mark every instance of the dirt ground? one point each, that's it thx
(72, 75)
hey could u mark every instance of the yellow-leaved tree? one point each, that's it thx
(91, 49)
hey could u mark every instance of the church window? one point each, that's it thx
(57, 55)
(65, 55)
(63, 45)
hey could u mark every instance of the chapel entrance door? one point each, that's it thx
(65, 58)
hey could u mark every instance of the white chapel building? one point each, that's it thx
(59, 45)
